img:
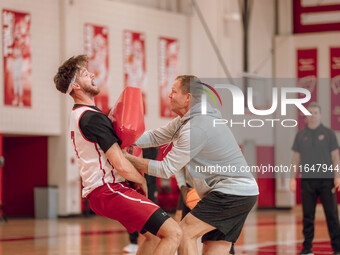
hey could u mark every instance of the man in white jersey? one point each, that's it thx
(104, 169)
(198, 147)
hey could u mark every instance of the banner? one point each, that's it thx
(96, 48)
(335, 88)
(307, 75)
(167, 72)
(134, 61)
(17, 58)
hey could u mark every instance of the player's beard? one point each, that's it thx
(92, 90)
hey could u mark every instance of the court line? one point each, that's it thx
(26, 238)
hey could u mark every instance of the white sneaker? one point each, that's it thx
(131, 248)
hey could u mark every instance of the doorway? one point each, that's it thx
(25, 168)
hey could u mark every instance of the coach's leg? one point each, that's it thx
(148, 244)
(192, 228)
(216, 247)
(170, 234)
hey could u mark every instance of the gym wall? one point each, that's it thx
(43, 117)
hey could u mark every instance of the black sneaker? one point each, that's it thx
(306, 252)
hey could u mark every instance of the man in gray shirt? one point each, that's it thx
(208, 158)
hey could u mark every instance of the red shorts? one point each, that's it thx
(119, 202)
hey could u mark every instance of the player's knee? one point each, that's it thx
(173, 231)
(177, 234)
(187, 233)
(148, 236)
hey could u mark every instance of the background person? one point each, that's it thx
(315, 144)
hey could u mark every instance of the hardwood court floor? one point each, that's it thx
(266, 232)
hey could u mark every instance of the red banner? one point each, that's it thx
(335, 88)
(96, 48)
(17, 58)
(167, 72)
(134, 61)
(307, 78)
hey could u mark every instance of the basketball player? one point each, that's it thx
(103, 167)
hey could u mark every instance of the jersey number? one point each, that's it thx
(74, 143)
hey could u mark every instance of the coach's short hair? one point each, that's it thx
(191, 84)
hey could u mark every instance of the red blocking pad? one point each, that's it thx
(128, 116)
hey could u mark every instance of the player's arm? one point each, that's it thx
(123, 166)
(336, 162)
(140, 163)
(295, 166)
(96, 127)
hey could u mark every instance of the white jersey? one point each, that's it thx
(94, 167)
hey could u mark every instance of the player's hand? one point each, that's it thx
(184, 192)
(337, 184)
(292, 184)
(141, 188)
(125, 153)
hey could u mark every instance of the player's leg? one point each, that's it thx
(216, 247)
(170, 234)
(216, 242)
(136, 212)
(148, 244)
(165, 229)
(192, 228)
(132, 247)
(219, 217)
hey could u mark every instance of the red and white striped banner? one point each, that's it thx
(307, 77)
(335, 88)
(96, 46)
(17, 58)
(167, 72)
(134, 61)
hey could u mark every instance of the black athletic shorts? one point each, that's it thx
(155, 222)
(225, 212)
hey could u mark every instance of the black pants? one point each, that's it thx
(311, 190)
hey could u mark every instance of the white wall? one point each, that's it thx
(226, 29)
(43, 117)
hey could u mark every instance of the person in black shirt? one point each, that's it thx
(316, 156)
